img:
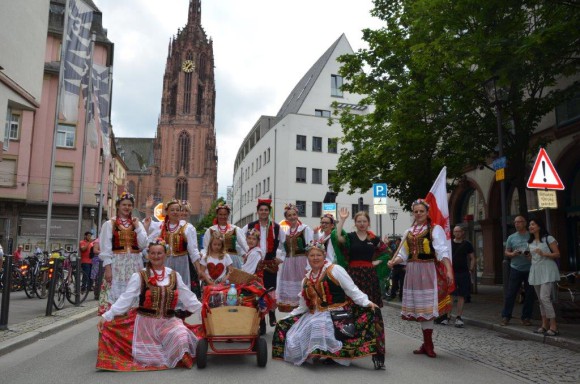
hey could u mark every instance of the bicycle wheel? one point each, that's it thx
(59, 292)
(28, 285)
(71, 291)
(42, 281)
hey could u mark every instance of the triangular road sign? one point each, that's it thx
(544, 175)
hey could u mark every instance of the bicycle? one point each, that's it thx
(17, 279)
(37, 278)
(66, 276)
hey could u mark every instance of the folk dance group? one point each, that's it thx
(324, 278)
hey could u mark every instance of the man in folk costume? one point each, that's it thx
(269, 243)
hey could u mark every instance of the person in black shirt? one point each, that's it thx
(463, 264)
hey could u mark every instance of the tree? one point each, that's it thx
(423, 72)
(207, 220)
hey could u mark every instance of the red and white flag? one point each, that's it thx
(438, 206)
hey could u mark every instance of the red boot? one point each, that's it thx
(428, 344)
(421, 350)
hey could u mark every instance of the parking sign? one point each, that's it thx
(380, 190)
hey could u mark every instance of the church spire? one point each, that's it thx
(194, 16)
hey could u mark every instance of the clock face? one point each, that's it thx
(187, 66)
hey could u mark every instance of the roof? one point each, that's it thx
(136, 152)
(294, 101)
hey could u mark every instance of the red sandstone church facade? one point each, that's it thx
(181, 161)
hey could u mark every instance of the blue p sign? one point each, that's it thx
(380, 190)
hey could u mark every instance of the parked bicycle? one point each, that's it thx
(36, 277)
(17, 280)
(66, 278)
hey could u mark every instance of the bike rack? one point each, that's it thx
(6, 293)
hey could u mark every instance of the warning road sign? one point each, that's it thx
(544, 175)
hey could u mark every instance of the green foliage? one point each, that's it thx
(424, 72)
(207, 220)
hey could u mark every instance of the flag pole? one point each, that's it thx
(83, 171)
(55, 131)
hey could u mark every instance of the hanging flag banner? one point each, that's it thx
(438, 206)
(544, 175)
(76, 53)
(102, 103)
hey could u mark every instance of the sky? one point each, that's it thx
(262, 48)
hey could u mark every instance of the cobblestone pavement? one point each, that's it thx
(526, 360)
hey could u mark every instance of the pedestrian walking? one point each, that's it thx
(463, 265)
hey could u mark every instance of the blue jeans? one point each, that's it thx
(86, 280)
(514, 284)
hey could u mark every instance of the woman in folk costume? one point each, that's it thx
(423, 245)
(234, 237)
(322, 235)
(309, 332)
(194, 269)
(121, 240)
(181, 238)
(270, 244)
(150, 337)
(295, 237)
(254, 254)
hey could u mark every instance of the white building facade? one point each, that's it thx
(291, 157)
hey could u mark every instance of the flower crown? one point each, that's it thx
(290, 206)
(217, 235)
(125, 196)
(159, 241)
(422, 202)
(315, 244)
(223, 206)
(171, 202)
(328, 216)
(185, 205)
(253, 232)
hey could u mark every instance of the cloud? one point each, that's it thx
(261, 48)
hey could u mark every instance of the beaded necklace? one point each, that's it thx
(159, 277)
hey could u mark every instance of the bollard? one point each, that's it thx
(98, 281)
(6, 292)
(78, 281)
(54, 267)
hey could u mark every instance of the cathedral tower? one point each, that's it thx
(185, 154)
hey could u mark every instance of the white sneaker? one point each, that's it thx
(459, 322)
(444, 322)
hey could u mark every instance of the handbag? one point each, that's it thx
(344, 327)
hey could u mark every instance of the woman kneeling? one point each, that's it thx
(309, 332)
(150, 338)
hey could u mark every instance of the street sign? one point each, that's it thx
(380, 209)
(329, 208)
(499, 163)
(547, 199)
(379, 200)
(380, 190)
(500, 174)
(544, 175)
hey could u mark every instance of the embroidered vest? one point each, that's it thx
(325, 294)
(295, 244)
(230, 240)
(124, 239)
(420, 246)
(157, 301)
(177, 240)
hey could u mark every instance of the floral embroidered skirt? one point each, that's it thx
(312, 335)
(367, 280)
(138, 343)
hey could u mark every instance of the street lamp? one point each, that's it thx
(393, 215)
(494, 98)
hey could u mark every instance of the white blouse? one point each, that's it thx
(106, 240)
(439, 242)
(339, 273)
(127, 298)
(190, 234)
(252, 259)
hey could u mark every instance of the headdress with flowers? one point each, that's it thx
(253, 232)
(290, 206)
(170, 203)
(423, 202)
(315, 244)
(125, 196)
(159, 241)
(185, 205)
(222, 205)
(328, 216)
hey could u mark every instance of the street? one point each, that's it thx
(471, 355)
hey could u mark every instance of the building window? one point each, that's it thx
(201, 69)
(268, 185)
(301, 142)
(333, 145)
(199, 110)
(316, 209)
(7, 172)
(301, 206)
(63, 179)
(321, 113)
(300, 175)
(131, 187)
(268, 155)
(184, 144)
(317, 144)
(65, 136)
(316, 176)
(568, 111)
(181, 188)
(335, 85)
(12, 125)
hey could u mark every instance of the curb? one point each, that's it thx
(557, 341)
(44, 331)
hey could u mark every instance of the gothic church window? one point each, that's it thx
(199, 102)
(183, 146)
(187, 89)
(181, 188)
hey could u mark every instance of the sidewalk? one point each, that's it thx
(485, 311)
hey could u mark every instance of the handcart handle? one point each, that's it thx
(267, 291)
